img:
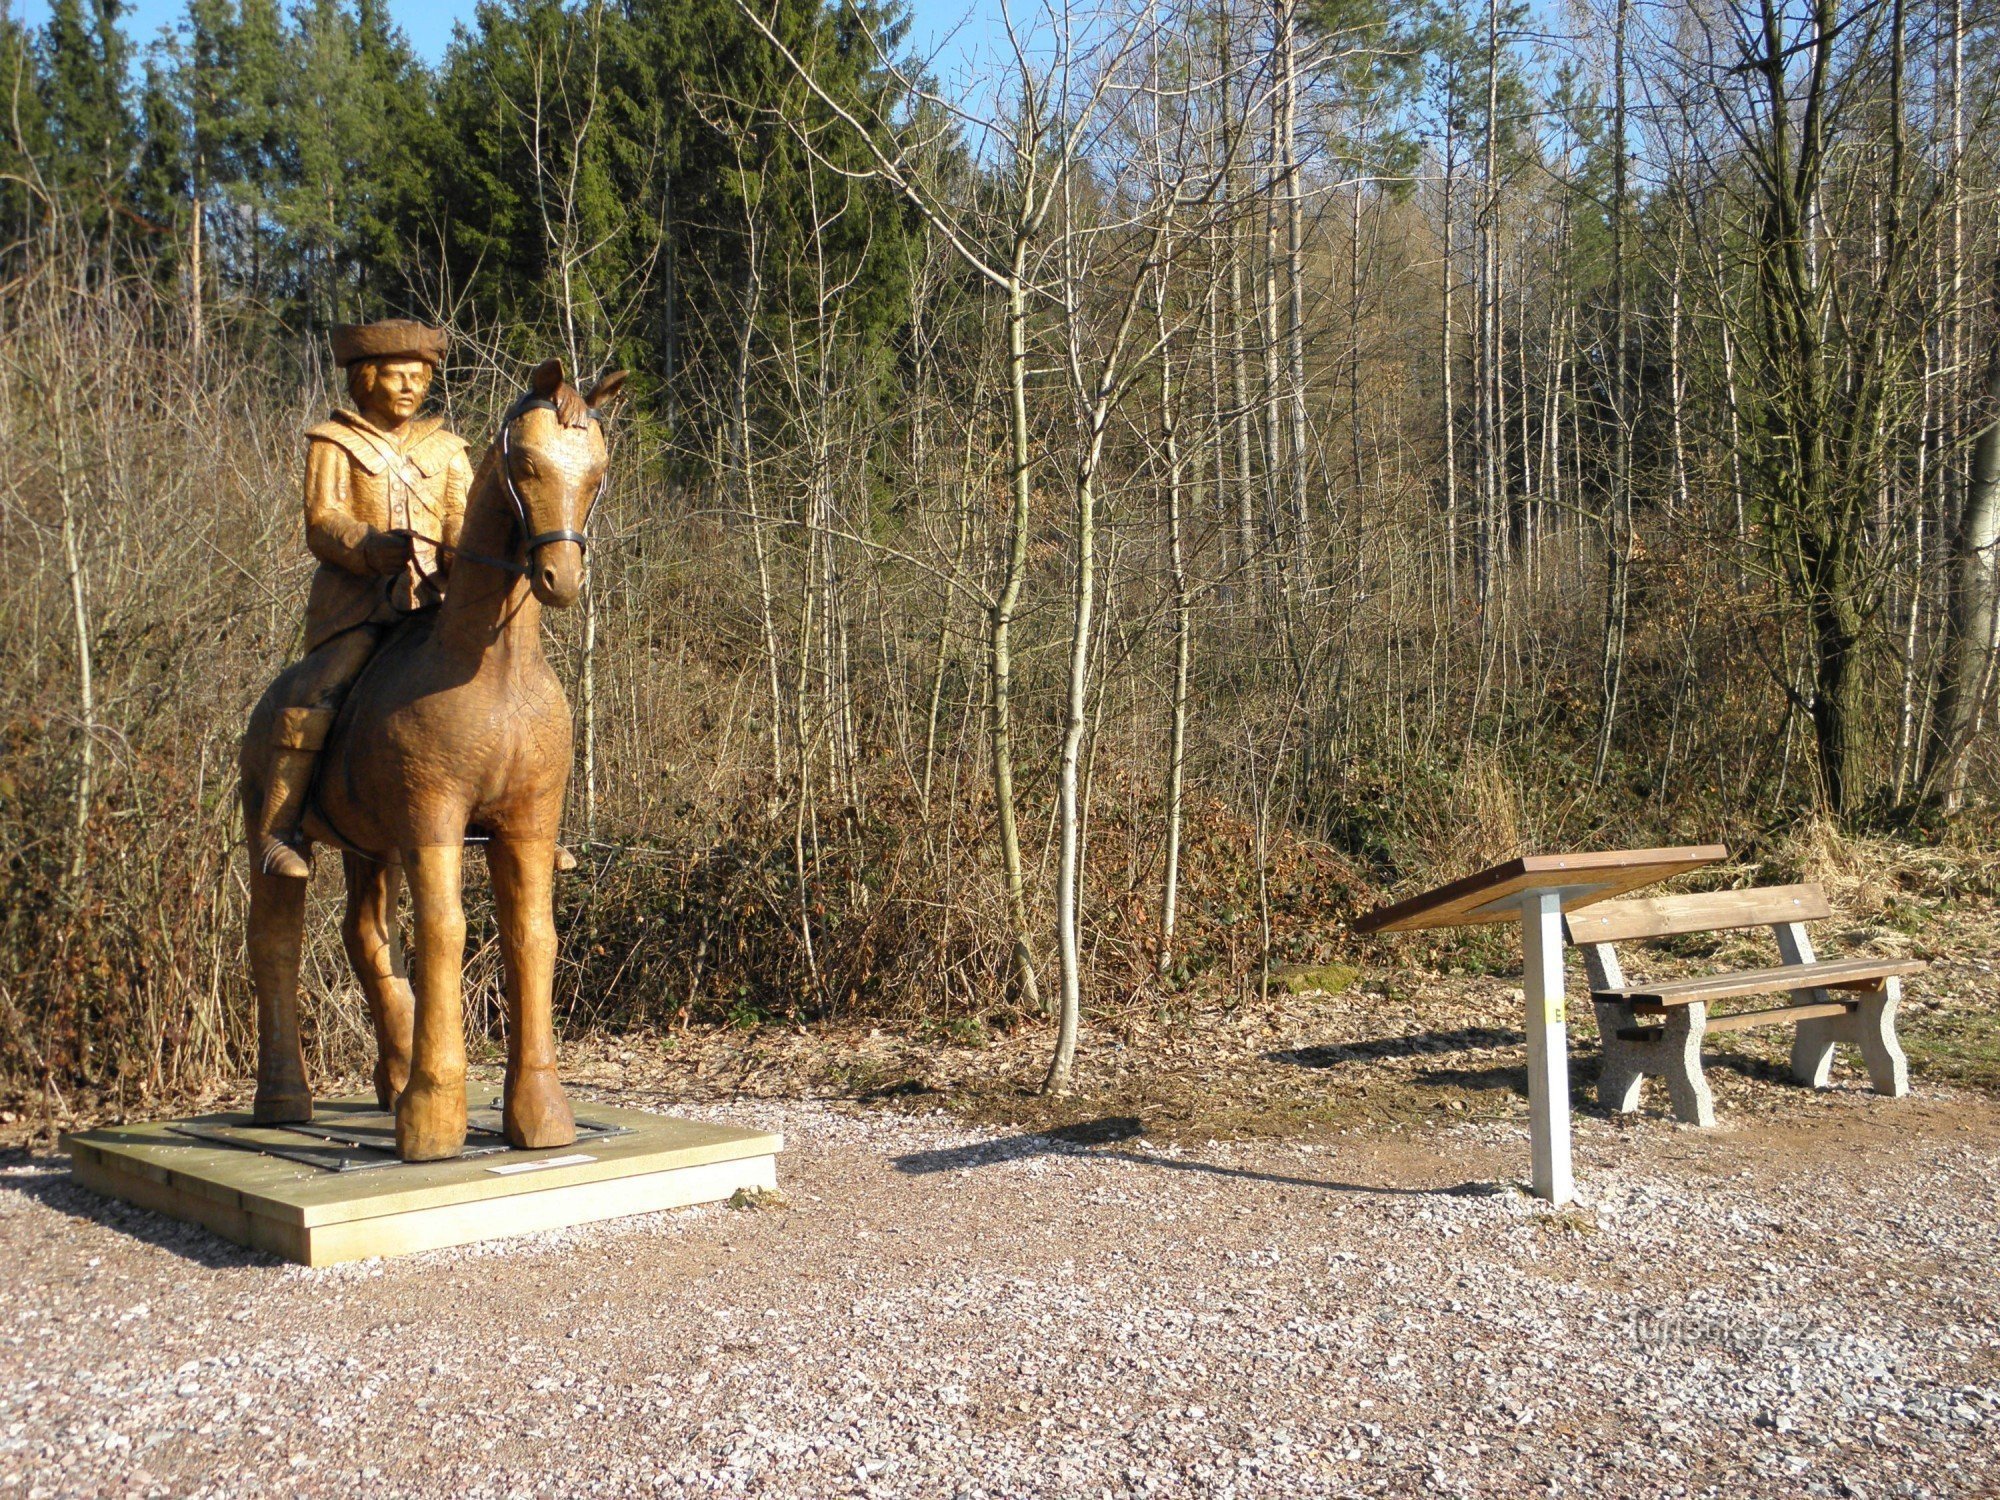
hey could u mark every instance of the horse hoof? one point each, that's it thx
(535, 1114)
(286, 1106)
(390, 1081)
(430, 1122)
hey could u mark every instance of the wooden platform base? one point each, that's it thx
(348, 1199)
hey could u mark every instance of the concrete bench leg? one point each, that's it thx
(1680, 1050)
(1812, 1050)
(1875, 1025)
(1870, 1026)
(1622, 1073)
(1675, 1055)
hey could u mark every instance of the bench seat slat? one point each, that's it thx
(1840, 973)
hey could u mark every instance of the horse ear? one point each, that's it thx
(547, 379)
(606, 393)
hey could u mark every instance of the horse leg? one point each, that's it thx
(430, 1114)
(534, 1110)
(375, 951)
(276, 935)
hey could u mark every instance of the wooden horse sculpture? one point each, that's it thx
(458, 723)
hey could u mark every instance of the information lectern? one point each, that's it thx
(1536, 890)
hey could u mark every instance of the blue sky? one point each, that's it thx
(428, 23)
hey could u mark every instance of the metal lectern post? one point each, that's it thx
(1548, 1045)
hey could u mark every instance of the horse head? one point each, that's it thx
(553, 464)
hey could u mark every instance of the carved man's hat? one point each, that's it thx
(392, 338)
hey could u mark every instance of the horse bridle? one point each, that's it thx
(519, 409)
(528, 403)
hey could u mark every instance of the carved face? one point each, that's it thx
(557, 471)
(388, 392)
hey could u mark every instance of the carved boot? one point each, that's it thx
(295, 747)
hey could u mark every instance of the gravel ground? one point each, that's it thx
(1797, 1305)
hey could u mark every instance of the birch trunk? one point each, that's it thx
(195, 318)
(1069, 874)
(1000, 673)
(1618, 537)
(1177, 700)
(1445, 374)
(1239, 357)
(1486, 408)
(1966, 678)
(1295, 305)
(86, 687)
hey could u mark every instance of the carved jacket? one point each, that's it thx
(359, 481)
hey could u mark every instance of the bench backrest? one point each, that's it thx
(1709, 911)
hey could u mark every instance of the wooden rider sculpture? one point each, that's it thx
(384, 487)
(448, 723)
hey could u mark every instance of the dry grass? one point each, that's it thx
(1395, 1048)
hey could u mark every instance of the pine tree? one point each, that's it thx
(93, 140)
(20, 154)
(255, 144)
(361, 104)
(162, 179)
(688, 133)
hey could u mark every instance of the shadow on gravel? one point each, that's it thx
(1755, 1069)
(1506, 1077)
(1511, 1079)
(1086, 1138)
(47, 1181)
(1418, 1044)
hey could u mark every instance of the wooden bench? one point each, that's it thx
(1656, 1029)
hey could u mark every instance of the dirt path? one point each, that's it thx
(1801, 1304)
